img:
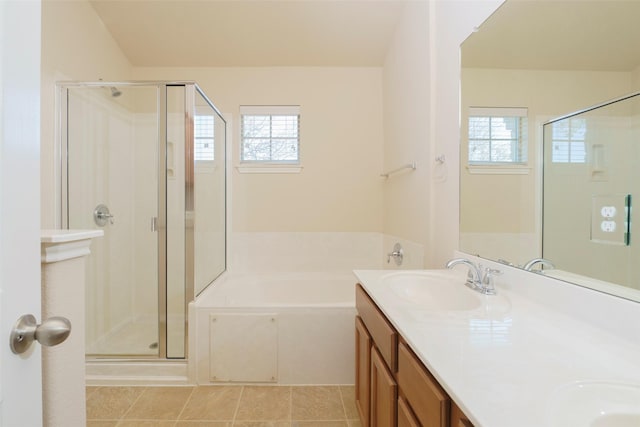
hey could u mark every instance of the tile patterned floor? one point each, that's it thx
(222, 406)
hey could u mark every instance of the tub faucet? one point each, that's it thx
(478, 279)
(529, 266)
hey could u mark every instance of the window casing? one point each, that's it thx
(270, 134)
(497, 136)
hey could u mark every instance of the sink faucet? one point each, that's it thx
(477, 279)
(529, 266)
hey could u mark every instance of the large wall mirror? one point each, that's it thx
(529, 63)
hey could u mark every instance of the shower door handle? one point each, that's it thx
(154, 224)
(51, 332)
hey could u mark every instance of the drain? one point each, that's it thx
(153, 346)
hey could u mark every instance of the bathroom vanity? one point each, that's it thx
(393, 387)
(431, 352)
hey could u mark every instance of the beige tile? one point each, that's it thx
(159, 403)
(212, 403)
(89, 390)
(98, 423)
(265, 403)
(349, 401)
(354, 423)
(319, 424)
(204, 424)
(111, 403)
(146, 423)
(262, 424)
(316, 403)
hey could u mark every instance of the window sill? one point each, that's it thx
(270, 168)
(498, 170)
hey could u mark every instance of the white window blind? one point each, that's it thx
(568, 141)
(270, 134)
(497, 135)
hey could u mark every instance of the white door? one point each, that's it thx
(20, 376)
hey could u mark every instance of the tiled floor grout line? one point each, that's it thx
(344, 407)
(122, 417)
(186, 402)
(235, 413)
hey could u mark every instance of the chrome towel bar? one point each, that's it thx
(411, 166)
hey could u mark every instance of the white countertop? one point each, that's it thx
(505, 367)
(61, 236)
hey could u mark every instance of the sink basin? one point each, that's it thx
(433, 290)
(596, 404)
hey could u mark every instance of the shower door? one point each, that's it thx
(112, 183)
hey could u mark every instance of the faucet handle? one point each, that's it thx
(488, 287)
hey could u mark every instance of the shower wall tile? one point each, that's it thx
(303, 252)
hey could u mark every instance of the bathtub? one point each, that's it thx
(285, 328)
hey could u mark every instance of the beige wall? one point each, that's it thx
(342, 113)
(339, 188)
(406, 128)
(75, 46)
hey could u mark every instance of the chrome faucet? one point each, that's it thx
(529, 266)
(397, 254)
(478, 279)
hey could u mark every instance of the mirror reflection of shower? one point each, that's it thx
(123, 173)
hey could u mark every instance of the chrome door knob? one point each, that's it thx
(50, 332)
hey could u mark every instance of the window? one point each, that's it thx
(568, 141)
(203, 136)
(497, 135)
(270, 134)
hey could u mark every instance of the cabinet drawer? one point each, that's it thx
(428, 400)
(383, 334)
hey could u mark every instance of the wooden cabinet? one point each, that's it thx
(393, 387)
(384, 392)
(422, 392)
(363, 371)
(458, 418)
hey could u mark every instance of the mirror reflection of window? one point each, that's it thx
(203, 136)
(497, 136)
(568, 139)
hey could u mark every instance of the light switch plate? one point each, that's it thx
(610, 218)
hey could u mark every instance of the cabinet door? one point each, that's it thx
(458, 418)
(384, 393)
(405, 415)
(363, 371)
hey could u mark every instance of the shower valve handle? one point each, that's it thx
(101, 215)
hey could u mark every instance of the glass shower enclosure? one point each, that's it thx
(145, 162)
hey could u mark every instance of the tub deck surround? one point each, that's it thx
(283, 328)
(505, 367)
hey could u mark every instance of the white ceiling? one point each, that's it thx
(601, 35)
(221, 33)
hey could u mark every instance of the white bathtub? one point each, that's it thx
(285, 328)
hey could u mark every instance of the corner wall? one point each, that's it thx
(406, 135)
(75, 46)
(421, 98)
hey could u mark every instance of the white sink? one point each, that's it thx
(433, 290)
(595, 404)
